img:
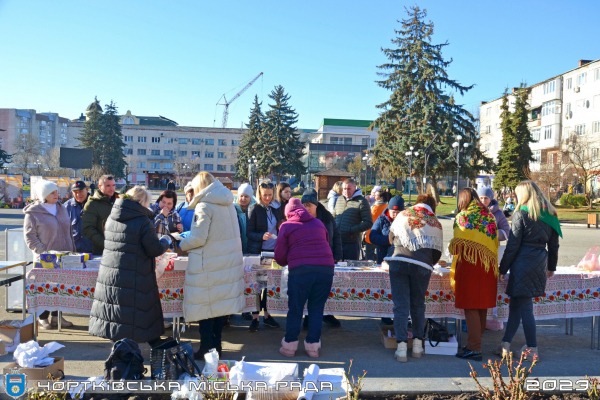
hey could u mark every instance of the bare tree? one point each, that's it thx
(94, 174)
(355, 167)
(130, 163)
(549, 178)
(28, 151)
(51, 162)
(580, 153)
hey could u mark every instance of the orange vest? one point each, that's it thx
(376, 211)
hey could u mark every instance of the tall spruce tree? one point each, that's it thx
(250, 140)
(91, 135)
(113, 155)
(515, 151)
(421, 106)
(280, 146)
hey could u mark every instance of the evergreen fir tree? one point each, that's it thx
(4, 158)
(112, 138)
(280, 148)
(522, 133)
(250, 139)
(421, 105)
(91, 135)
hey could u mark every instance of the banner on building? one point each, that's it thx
(11, 190)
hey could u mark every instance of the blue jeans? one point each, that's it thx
(305, 284)
(409, 284)
(521, 308)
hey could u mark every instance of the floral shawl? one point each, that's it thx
(475, 237)
(417, 228)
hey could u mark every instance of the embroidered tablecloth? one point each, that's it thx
(569, 294)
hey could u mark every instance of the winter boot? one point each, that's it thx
(417, 348)
(312, 349)
(288, 349)
(502, 350)
(400, 353)
(533, 352)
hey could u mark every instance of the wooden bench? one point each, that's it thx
(593, 220)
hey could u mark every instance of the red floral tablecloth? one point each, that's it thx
(569, 294)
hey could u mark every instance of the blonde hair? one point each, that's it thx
(337, 187)
(201, 181)
(141, 195)
(258, 197)
(530, 194)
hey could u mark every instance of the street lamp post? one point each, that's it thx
(410, 155)
(251, 169)
(39, 166)
(367, 158)
(456, 146)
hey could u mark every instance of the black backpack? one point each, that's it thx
(125, 362)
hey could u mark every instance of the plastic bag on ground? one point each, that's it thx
(590, 261)
(30, 355)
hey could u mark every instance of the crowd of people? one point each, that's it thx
(216, 228)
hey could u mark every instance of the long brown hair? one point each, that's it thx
(466, 196)
(280, 187)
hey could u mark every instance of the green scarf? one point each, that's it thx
(550, 219)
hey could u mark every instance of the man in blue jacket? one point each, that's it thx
(187, 216)
(74, 207)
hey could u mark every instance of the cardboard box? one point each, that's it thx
(180, 263)
(52, 259)
(449, 348)
(3, 351)
(390, 342)
(15, 332)
(72, 265)
(76, 258)
(93, 264)
(38, 374)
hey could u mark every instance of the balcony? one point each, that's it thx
(161, 158)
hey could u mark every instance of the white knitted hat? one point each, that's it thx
(43, 188)
(188, 187)
(245, 189)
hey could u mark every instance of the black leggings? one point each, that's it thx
(521, 309)
(262, 303)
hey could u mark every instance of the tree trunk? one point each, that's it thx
(434, 189)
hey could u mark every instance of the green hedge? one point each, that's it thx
(367, 190)
(574, 200)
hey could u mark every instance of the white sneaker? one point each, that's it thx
(417, 348)
(63, 322)
(400, 353)
(168, 325)
(45, 324)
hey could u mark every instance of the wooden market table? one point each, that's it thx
(570, 294)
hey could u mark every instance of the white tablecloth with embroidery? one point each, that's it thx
(570, 294)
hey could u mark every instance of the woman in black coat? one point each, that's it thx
(126, 301)
(535, 227)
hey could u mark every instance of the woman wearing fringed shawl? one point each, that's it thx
(474, 274)
(535, 226)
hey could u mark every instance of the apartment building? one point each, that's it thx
(158, 149)
(565, 104)
(49, 128)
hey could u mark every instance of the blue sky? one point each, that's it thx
(177, 58)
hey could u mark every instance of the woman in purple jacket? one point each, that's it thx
(486, 195)
(303, 245)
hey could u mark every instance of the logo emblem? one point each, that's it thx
(15, 383)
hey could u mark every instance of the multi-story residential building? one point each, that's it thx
(560, 106)
(158, 149)
(49, 128)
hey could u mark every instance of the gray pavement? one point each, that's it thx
(358, 339)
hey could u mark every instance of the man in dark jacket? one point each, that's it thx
(171, 185)
(380, 233)
(74, 208)
(96, 212)
(353, 217)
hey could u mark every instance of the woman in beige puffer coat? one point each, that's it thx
(214, 280)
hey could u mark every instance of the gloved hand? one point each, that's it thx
(167, 238)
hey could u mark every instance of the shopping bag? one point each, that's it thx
(590, 261)
(171, 359)
(162, 262)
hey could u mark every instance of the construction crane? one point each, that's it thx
(227, 103)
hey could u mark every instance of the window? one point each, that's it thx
(487, 147)
(169, 140)
(496, 145)
(497, 109)
(155, 165)
(222, 142)
(156, 139)
(569, 83)
(221, 167)
(208, 167)
(581, 79)
(535, 134)
(196, 141)
(43, 123)
(551, 158)
(141, 165)
(168, 152)
(141, 152)
(597, 74)
(209, 154)
(232, 168)
(340, 140)
(549, 87)
(488, 129)
(488, 111)
(196, 153)
(155, 152)
(128, 151)
(548, 108)
(235, 142)
(183, 141)
(580, 129)
(365, 141)
(127, 121)
(168, 165)
(209, 142)
(568, 109)
(594, 154)
(220, 154)
(182, 153)
(141, 139)
(596, 127)
(128, 139)
(548, 132)
(537, 156)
